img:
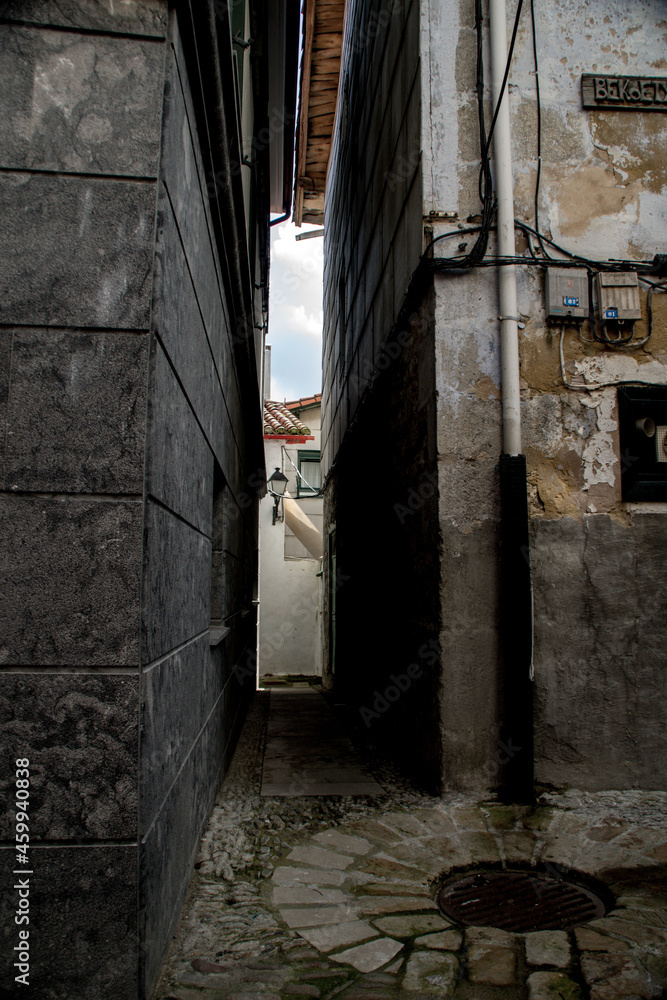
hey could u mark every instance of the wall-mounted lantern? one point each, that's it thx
(277, 483)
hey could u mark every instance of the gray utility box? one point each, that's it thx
(618, 296)
(567, 293)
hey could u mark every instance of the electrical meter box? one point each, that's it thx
(618, 296)
(567, 293)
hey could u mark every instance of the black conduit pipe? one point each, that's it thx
(516, 616)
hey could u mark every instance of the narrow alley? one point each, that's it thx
(317, 873)
(333, 499)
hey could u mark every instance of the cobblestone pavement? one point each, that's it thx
(333, 896)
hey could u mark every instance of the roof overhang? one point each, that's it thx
(293, 438)
(283, 58)
(305, 402)
(320, 69)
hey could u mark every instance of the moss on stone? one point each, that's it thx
(565, 989)
(501, 817)
(539, 818)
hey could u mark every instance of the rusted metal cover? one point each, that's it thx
(519, 901)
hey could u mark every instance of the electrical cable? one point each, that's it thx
(575, 260)
(662, 287)
(539, 133)
(478, 257)
(597, 385)
(485, 182)
(641, 268)
(315, 493)
(508, 65)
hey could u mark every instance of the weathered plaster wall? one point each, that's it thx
(598, 574)
(596, 560)
(469, 441)
(604, 172)
(467, 393)
(599, 669)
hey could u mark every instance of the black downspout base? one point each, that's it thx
(516, 625)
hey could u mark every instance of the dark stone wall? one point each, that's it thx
(373, 231)
(77, 224)
(124, 403)
(382, 498)
(378, 418)
(193, 699)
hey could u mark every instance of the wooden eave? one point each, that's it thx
(320, 69)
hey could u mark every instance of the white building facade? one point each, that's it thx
(290, 640)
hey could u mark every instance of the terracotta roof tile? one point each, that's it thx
(300, 404)
(279, 420)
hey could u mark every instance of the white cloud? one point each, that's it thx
(295, 313)
(282, 390)
(300, 321)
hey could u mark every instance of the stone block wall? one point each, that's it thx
(379, 417)
(79, 186)
(193, 700)
(124, 402)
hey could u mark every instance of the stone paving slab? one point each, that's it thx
(333, 897)
(548, 948)
(430, 974)
(319, 856)
(307, 752)
(442, 940)
(294, 896)
(370, 956)
(408, 926)
(378, 905)
(494, 958)
(348, 932)
(553, 986)
(294, 876)
(342, 842)
(314, 916)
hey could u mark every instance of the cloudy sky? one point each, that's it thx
(295, 313)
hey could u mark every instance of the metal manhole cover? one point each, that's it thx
(518, 901)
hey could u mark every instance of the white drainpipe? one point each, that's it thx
(502, 152)
(516, 596)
